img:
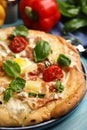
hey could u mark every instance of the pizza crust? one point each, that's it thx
(75, 89)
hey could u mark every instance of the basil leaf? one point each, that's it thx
(32, 94)
(74, 2)
(67, 9)
(8, 94)
(17, 84)
(41, 50)
(83, 3)
(75, 24)
(11, 68)
(20, 31)
(63, 60)
(41, 95)
(60, 87)
(84, 9)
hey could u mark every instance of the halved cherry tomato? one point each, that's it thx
(52, 73)
(18, 44)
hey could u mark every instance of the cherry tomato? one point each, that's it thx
(18, 44)
(52, 73)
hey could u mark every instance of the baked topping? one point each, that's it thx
(31, 70)
(41, 50)
(52, 73)
(18, 44)
(63, 60)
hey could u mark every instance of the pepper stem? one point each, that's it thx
(31, 14)
(28, 11)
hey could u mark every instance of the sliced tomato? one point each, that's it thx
(52, 73)
(18, 44)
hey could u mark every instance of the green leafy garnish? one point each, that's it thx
(63, 60)
(68, 10)
(74, 24)
(41, 50)
(17, 84)
(40, 95)
(32, 94)
(11, 68)
(60, 87)
(74, 14)
(20, 31)
(8, 94)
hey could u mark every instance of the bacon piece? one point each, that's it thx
(32, 76)
(41, 67)
(29, 53)
(37, 39)
(42, 102)
(52, 86)
(2, 73)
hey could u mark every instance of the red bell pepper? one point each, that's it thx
(39, 14)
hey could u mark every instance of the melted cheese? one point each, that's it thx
(4, 49)
(34, 86)
(26, 65)
(2, 90)
(23, 94)
(5, 46)
(22, 53)
(3, 36)
(16, 107)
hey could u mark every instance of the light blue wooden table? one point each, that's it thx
(78, 119)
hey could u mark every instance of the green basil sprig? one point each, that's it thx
(41, 50)
(11, 68)
(16, 85)
(20, 30)
(40, 95)
(68, 10)
(74, 14)
(63, 60)
(8, 94)
(74, 24)
(32, 94)
(60, 87)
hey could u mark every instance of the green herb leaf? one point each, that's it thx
(8, 94)
(74, 12)
(83, 3)
(63, 60)
(73, 2)
(11, 68)
(67, 9)
(75, 24)
(17, 84)
(32, 94)
(41, 50)
(41, 95)
(84, 6)
(84, 9)
(20, 31)
(60, 87)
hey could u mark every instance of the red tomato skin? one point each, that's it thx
(52, 73)
(18, 44)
